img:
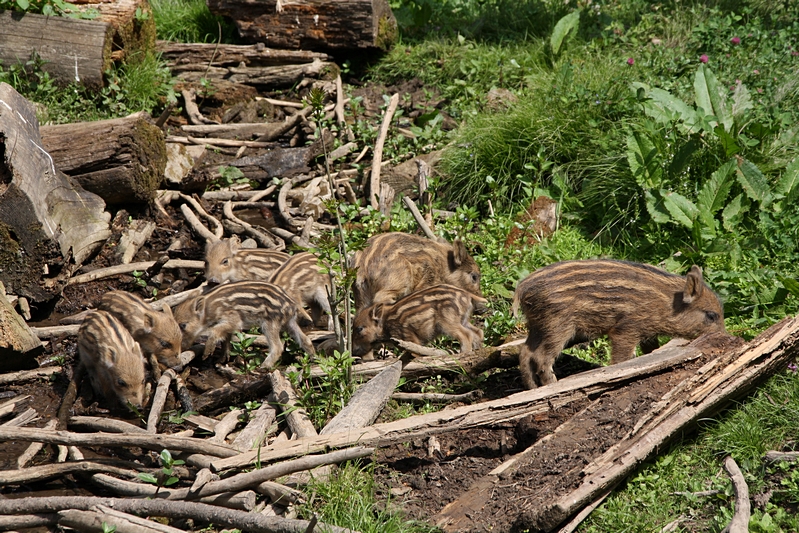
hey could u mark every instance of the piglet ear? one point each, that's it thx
(235, 243)
(167, 311)
(694, 285)
(377, 312)
(459, 252)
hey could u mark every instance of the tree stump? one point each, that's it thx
(44, 217)
(312, 24)
(132, 23)
(18, 344)
(122, 160)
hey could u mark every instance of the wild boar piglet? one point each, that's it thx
(157, 332)
(577, 301)
(303, 279)
(112, 358)
(238, 306)
(419, 317)
(393, 265)
(226, 260)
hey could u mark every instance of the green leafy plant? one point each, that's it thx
(324, 399)
(107, 528)
(167, 475)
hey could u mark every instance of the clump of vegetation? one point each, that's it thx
(190, 21)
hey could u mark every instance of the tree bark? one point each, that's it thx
(45, 218)
(132, 22)
(122, 159)
(19, 346)
(313, 24)
(70, 50)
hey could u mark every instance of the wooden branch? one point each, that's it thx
(418, 349)
(255, 431)
(40, 473)
(367, 402)
(740, 518)
(200, 512)
(150, 442)
(13, 523)
(19, 346)
(285, 396)
(196, 225)
(29, 375)
(374, 182)
(159, 399)
(130, 267)
(34, 447)
(193, 112)
(94, 521)
(280, 494)
(244, 500)
(419, 218)
(513, 407)
(263, 237)
(218, 142)
(234, 54)
(108, 425)
(22, 419)
(226, 425)
(776, 457)
(424, 397)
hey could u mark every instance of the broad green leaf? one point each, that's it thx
(148, 478)
(654, 205)
(788, 185)
(741, 103)
(562, 28)
(727, 142)
(792, 285)
(23, 4)
(715, 191)
(665, 101)
(709, 98)
(733, 213)
(681, 209)
(753, 182)
(644, 160)
(682, 157)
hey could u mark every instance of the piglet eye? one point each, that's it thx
(122, 383)
(164, 344)
(711, 316)
(475, 277)
(225, 261)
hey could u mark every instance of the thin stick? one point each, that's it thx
(196, 225)
(374, 184)
(29, 375)
(419, 218)
(159, 399)
(263, 238)
(130, 267)
(740, 519)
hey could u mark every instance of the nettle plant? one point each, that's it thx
(736, 188)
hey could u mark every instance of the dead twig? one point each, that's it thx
(193, 112)
(740, 519)
(263, 237)
(374, 183)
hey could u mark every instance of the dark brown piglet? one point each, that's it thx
(629, 302)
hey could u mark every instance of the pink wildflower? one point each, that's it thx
(630, 61)
(735, 40)
(703, 58)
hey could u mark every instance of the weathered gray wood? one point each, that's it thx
(312, 24)
(367, 402)
(19, 346)
(255, 431)
(121, 159)
(44, 217)
(271, 77)
(513, 407)
(182, 56)
(71, 50)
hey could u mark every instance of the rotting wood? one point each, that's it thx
(515, 406)
(219, 516)
(133, 23)
(122, 160)
(43, 472)
(22, 419)
(150, 442)
(244, 388)
(70, 50)
(54, 222)
(740, 517)
(133, 238)
(313, 24)
(177, 55)
(725, 378)
(159, 399)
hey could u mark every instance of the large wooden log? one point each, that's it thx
(132, 23)
(71, 50)
(122, 160)
(186, 56)
(44, 217)
(312, 24)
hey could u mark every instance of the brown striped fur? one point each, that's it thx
(396, 264)
(238, 306)
(226, 260)
(301, 277)
(628, 302)
(156, 332)
(419, 317)
(112, 358)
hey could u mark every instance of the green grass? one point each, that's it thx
(190, 21)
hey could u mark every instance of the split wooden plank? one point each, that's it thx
(511, 408)
(182, 56)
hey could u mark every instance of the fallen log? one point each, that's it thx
(122, 160)
(256, 430)
(68, 49)
(40, 473)
(245, 521)
(731, 372)
(97, 520)
(132, 22)
(313, 24)
(182, 56)
(513, 407)
(19, 346)
(45, 219)
(28, 375)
